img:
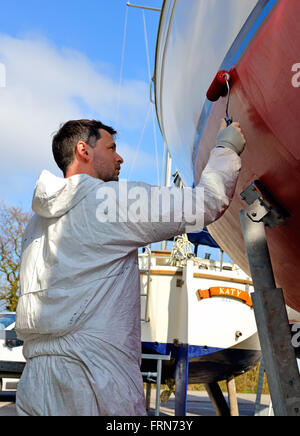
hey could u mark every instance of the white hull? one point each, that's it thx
(192, 43)
(177, 315)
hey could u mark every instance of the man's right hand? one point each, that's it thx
(231, 137)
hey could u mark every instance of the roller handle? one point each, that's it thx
(228, 120)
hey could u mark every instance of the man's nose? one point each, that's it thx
(120, 159)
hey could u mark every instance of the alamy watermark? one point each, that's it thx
(296, 76)
(2, 76)
(138, 203)
(296, 335)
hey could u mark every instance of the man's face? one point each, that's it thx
(106, 162)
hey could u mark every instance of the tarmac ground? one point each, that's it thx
(198, 404)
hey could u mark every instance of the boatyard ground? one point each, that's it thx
(198, 404)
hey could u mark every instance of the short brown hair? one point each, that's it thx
(65, 140)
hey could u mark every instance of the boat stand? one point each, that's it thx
(268, 302)
(213, 389)
(261, 410)
(181, 380)
(217, 399)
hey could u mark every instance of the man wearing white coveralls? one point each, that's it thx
(79, 308)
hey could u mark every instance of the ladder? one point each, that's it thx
(147, 292)
(154, 377)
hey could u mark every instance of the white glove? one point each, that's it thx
(231, 137)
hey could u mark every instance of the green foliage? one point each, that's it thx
(12, 224)
(245, 383)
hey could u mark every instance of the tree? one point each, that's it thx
(13, 221)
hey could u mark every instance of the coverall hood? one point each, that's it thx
(55, 196)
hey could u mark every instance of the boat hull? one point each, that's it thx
(268, 108)
(215, 331)
(204, 366)
(265, 100)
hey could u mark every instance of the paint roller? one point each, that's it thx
(220, 87)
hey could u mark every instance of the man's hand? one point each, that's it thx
(231, 137)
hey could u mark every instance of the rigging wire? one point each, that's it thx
(163, 163)
(153, 114)
(150, 108)
(122, 68)
(140, 142)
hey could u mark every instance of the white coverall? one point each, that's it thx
(79, 309)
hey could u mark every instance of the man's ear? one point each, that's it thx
(83, 151)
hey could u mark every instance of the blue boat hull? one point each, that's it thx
(205, 364)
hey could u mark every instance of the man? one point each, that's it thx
(79, 308)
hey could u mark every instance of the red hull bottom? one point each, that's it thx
(267, 105)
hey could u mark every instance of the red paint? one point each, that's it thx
(267, 105)
(218, 88)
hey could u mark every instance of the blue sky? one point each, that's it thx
(93, 27)
(63, 61)
(48, 48)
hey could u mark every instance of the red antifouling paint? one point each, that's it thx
(218, 88)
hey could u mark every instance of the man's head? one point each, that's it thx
(87, 147)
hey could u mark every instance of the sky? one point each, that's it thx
(72, 59)
(62, 60)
